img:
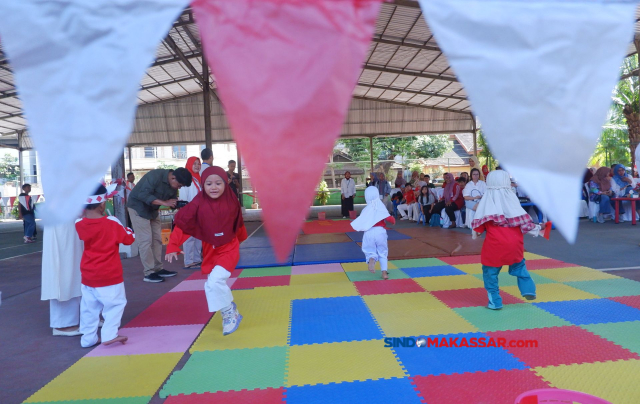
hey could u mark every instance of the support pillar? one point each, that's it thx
(130, 163)
(475, 136)
(239, 166)
(371, 154)
(20, 163)
(117, 171)
(206, 93)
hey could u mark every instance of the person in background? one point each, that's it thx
(348, 191)
(400, 181)
(600, 192)
(415, 177)
(427, 179)
(131, 178)
(207, 159)
(588, 174)
(426, 200)
(465, 176)
(192, 247)
(622, 183)
(385, 190)
(475, 163)
(451, 200)
(26, 212)
(232, 177)
(406, 208)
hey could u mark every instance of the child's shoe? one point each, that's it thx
(494, 308)
(530, 297)
(230, 320)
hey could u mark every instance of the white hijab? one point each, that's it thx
(374, 212)
(500, 203)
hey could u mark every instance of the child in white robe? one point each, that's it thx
(371, 221)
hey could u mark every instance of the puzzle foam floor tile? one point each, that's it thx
(631, 301)
(336, 319)
(450, 282)
(423, 272)
(591, 311)
(177, 308)
(470, 297)
(553, 292)
(616, 382)
(316, 291)
(79, 382)
(531, 256)
(362, 266)
(261, 282)
(189, 285)
(560, 346)
(214, 371)
(461, 260)
(417, 262)
(268, 271)
(609, 287)
(491, 387)
(390, 286)
(623, 334)
(341, 362)
(316, 269)
(402, 302)
(504, 279)
(151, 340)
(511, 317)
(547, 263)
(124, 400)
(422, 322)
(198, 275)
(572, 274)
(314, 279)
(356, 276)
(435, 361)
(382, 391)
(262, 396)
(471, 269)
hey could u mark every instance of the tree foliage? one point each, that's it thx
(486, 157)
(9, 168)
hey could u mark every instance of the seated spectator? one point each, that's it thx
(600, 192)
(400, 181)
(465, 176)
(406, 208)
(451, 200)
(622, 183)
(427, 180)
(426, 200)
(474, 190)
(588, 174)
(415, 177)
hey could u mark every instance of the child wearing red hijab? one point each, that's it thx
(214, 217)
(192, 247)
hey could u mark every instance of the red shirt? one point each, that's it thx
(390, 219)
(502, 245)
(100, 265)
(410, 197)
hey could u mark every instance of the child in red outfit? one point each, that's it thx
(213, 216)
(102, 282)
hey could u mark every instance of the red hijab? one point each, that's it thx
(214, 221)
(189, 167)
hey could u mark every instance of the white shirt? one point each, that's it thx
(481, 187)
(203, 167)
(348, 187)
(188, 193)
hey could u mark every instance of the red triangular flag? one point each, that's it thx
(285, 73)
(547, 230)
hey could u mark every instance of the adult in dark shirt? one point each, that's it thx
(234, 182)
(155, 189)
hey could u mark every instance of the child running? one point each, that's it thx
(101, 270)
(371, 221)
(499, 214)
(213, 216)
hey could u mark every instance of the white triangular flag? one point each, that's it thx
(77, 67)
(539, 75)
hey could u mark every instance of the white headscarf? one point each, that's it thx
(374, 212)
(500, 203)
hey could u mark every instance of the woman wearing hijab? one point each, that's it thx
(193, 246)
(400, 182)
(622, 183)
(214, 216)
(600, 191)
(475, 163)
(451, 200)
(588, 174)
(371, 222)
(499, 214)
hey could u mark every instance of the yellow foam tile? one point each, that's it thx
(552, 292)
(450, 282)
(422, 322)
(109, 377)
(313, 291)
(532, 256)
(341, 362)
(265, 323)
(402, 302)
(616, 382)
(571, 274)
(471, 269)
(310, 279)
(362, 266)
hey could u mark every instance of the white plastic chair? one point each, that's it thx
(446, 222)
(594, 208)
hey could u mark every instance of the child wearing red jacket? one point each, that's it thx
(101, 270)
(213, 216)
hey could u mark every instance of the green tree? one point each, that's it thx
(9, 167)
(166, 166)
(432, 147)
(626, 105)
(485, 153)
(613, 146)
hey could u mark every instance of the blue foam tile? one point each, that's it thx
(258, 257)
(423, 272)
(591, 311)
(256, 242)
(381, 391)
(427, 361)
(391, 235)
(332, 319)
(327, 253)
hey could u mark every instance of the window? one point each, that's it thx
(149, 152)
(179, 152)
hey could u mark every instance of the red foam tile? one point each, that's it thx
(387, 287)
(175, 308)
(494, 387)
(461, 260)
(547, 264)
(470, 297)
(197, 275)
(236, 273)
(266, 396)
(262, 281)
(633, 301)
(563, 346)
(327, 226)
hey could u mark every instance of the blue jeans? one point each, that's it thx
(29, 224)
(490, 276)
(605, 204)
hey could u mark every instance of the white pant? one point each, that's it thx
(406, 210)
(110, 300)
(64, 314)
(218, 292)
(374, 245)
(192, 251)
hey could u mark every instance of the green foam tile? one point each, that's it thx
(355, 276)
(418, 262)
(608, 287)
(124, 400)
(623, 334)
(504, 279)
(212, 371)
(270, 271)
(520, 316)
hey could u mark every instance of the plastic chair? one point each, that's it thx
(558, 396)
(395, 209)
(446, 222)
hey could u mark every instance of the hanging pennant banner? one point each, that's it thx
(539, 74)
(77, 66)
(285, 72)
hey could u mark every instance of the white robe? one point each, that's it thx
(61, 255)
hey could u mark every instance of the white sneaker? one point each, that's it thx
(231, 320)
(71, 333)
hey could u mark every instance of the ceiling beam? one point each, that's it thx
(454, 97)
(404, 104)
(176, 49)
(432, 76)
(16, 115)
(400, 42)
(406, 3)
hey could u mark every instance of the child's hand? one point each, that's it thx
(171, 256)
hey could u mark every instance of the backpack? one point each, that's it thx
(435, 220)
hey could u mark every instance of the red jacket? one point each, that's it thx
(100, 265)
(502, 245)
